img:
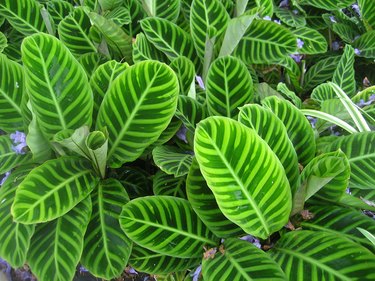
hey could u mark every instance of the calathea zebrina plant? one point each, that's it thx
(156, 134)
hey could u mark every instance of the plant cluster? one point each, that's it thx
(155, 134)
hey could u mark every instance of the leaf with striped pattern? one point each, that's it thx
(310, 255)
(91, 61)
(166, 225)
(359, 148)
(164, 184)
(314, 42)
(172, 160)
(3, 42)
(206, 16)
(10, 158)
(229, 86)
(190, 112)
(56, 246)
(185, 71)
(205, 206)
(102, 79)
(244, 174)
(144, 260)
(265, 7)
(131, 110)
(367, 9)
(290, 18)
(110, 4)
(366, 44)
(330, 5)
(165, 9)
(345, 31)
(15, 237)
(167, 134)
(344, 75)
(272, 130)
(320, 72)
(169, 38)
(367, 194)
(59, 91)
(298, 127)
(323, 92)
(12, 95)
(137, 13)
(240, 260)
(62, 183)
(106, 248)
(265, 42)
(58, 10)
(25, 16)
(144, 50)
(341, 222)
(119, 42)
(74, 32)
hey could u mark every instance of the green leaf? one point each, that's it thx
(265, 7)
(59, 92)
(102, 79)
(190, 112)
(321, 255)
(166, 225)
(56, 246)
(10, 158)
(265, 42)
(288, 17)
(119, 42)
(144, 260)
(144, 50)
(74, 32)
(323, 92)
(24, 16)
(330, 5)
(320, 72)
(298, 127)
(205, 16)
(185, 71)
(73, 140)
(131, 110)
(314, 42)
(205, 206)
(167, 134)
(15, 237)
(289, 95)
(344, 73)
(345, 31)
(3, 42)
(91, 61)
(240, 260)
(231, 155)
(58, 9)
(106, 248)
(172, 160)
(368, 235)
(271, 129)
(169, 38)
(359, 148)
(164, 184)
(109, 4)
(62, 183)
(12, 91)
(229, 86)
(166, 9)
(97, 145)
(340, 222)
(366, 44)
(367, 13)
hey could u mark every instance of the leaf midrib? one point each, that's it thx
(362, 157)
(21, 19)
(9, 99)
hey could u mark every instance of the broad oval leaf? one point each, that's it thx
(265, 42)
(344, 75)
(190, 112)
(240, 260)
(330, 5)
(366, 44)
(56, 246)
(289, 17)
(58, 10)
(59, 91)
(148, 261)
(106, 248)
(15, 237)
(298, 127)
(229, 86)
(204, 204)
(144, 50)
(244, 175)
(185, 71)
(310, 255)
(61, 184)
(137, 108)
(367, 13)
(272, 130)
(313, 41)
(165, 9)
(166, 225)
(164, 184)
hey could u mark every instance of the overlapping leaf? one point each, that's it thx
(229, 86)
(244, 174)
(240, 260)
(166, 9)
(344, 73)
(62, 183)
(367, 13)
(365, 44)
(290, 18)
(131, 110)
(56, 246)
(330, 5)
(190, 112)
(185, 71)
(164, 184)
(91, 61)
(303, 254)
(167, 225)
(9, 158)
(144, 50)
(106, 247)
(313, 41)
(59, 91)
(59, 9)
(265, 7)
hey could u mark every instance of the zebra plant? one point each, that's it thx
(155, 134)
